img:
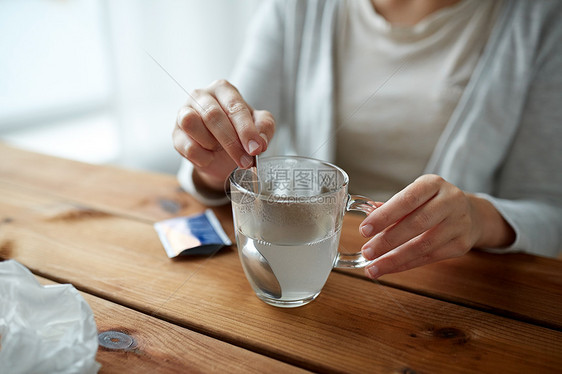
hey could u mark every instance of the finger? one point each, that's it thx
(219, 125)
(417, 246)
(265, 124)
(180, 140)
(191, 123)
(449, 250)
(240, 116)
(425, 248)
(422, 219)
(401, 204)
(190, 149)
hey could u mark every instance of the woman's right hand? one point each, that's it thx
(217, 130)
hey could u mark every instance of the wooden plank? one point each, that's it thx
(515, 285)
(162, 347)
(148, 196)
(354, 326)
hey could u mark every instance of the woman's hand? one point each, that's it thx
(428, 221)
(217, 130)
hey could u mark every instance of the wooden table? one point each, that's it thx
(91, 226)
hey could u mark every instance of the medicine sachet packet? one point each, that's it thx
(200, 234)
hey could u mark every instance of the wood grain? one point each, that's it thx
(143, 195)
(354, 326)
(162, 347)
(515, 285)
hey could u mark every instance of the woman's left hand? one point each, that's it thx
(428, 221)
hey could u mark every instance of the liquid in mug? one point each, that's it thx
(301, 268)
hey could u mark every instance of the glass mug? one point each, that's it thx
(288, 220)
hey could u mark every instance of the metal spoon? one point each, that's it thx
(256, 265)
(260, 271)
(255, 177)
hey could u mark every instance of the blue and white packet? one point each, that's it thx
(200, 234)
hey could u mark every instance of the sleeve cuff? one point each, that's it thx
(185, 179)
(536, 226)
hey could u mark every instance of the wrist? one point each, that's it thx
(208, 185)
(493, 231)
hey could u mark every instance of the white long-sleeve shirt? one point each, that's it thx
(397, 87)
(501, 141)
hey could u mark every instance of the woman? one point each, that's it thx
(466, 94)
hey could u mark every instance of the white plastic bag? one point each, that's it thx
(44, 329)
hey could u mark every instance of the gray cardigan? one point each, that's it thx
(501, 142)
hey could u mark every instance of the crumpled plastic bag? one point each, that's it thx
(44, 329)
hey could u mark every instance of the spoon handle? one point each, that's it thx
(255, 177)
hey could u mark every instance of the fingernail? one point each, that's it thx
(367, 230)
(264, 137)
(246, 161)
(373, 271)
(368, 253)
(252, 146)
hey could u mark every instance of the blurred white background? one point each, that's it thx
(76, 80)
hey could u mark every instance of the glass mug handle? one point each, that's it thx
(356, 203)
